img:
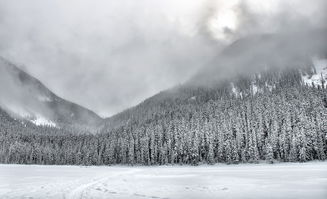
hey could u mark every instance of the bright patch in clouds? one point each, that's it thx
(223, 24)
(227, 17)
(115, 54)
(224, 19)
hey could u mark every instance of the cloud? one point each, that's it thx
(268, 34)
(108, 55)
(105, 55)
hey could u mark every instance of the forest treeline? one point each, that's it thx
(284, 122)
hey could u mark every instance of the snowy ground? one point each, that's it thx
(294, 180)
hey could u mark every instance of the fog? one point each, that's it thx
(109, 55)
(20, 97)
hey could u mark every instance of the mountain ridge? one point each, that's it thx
(26, 97)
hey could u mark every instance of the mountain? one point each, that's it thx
(233, 111)
(270, 116)
(262, 52)
(241, 86)
(249, 66)
(256, 101)
(26, 98)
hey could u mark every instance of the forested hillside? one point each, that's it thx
(24, 142)
(271, 116)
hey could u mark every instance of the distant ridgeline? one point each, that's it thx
(274, 116)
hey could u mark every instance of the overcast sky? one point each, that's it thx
(108, 55)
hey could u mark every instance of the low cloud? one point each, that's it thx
(109, 55)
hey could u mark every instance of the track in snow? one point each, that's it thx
(292, 180)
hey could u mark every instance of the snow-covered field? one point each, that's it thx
(292, 180)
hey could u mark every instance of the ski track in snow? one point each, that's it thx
(284, 180)
(83, 190)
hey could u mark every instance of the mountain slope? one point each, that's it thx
(284, 120)
(259, 53)
(253, 64)
(312, 74)
(25, 97)
(245, 113)
(273, 114)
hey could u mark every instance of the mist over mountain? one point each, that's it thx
(252, 87)
(136, 49)
(161, 99)
(26, 98)
(262, 52)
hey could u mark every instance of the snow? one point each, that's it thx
(193, 98)
(234, 90)
(284, 180)
(43, 98)
(321, 73)
(270, 87)
(41, 121)
(255, 88)
(35, 118)
(17, 110)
